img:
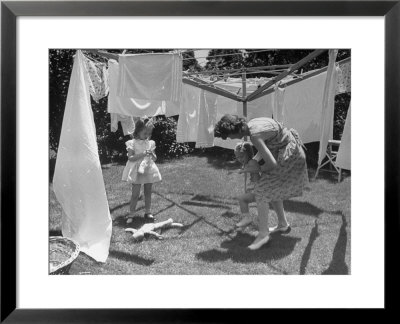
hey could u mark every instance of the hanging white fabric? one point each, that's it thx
(299, 106)
(188, 122)
(328, 105)
(127, 123)
(207, 119)
(78, 179)
(155, 76)
(129, 106)
(343, 159)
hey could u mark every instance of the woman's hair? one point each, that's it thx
(140, 125)
(229, 124)
(244, 148)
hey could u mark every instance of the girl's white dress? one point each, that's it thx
(151, 173)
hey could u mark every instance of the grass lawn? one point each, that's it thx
(198, 192)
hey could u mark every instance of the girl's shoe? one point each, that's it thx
(149, 216)
(280, 229)
(243, 224)
(258, 243)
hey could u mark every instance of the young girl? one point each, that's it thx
(140, 168)
(244, 154)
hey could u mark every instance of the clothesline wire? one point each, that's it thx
(222, 55)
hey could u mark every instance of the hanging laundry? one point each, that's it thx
(225, 106)
(344, 78)
(328, 104)
(98, 79)
(261, 107)
(129, 106)
(127, 123)
(299, 106)
(207, 119)
(277, 99)
(78, 180)
(172, 108)
(151, 76)
(343, 159)
(188, 121)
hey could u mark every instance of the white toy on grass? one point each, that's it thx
(150, 229)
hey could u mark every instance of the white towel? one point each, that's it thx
(129, 106)
(78, 179)
(343, 159)
(151, 76)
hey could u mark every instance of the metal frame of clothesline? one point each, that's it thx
(267, 88)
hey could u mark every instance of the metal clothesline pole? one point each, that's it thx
(244, 94)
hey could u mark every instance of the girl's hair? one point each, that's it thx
(244, 148)
(141, 124)
(229, 124)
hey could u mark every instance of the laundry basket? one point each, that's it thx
(63, 252)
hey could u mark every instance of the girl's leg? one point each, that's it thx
(263, 234)
(134, 198)
(147, 198)
(244, 201)
(280, 212)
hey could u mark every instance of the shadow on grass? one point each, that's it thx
(199, 204)
(279, 247)
(307, 251)
(55, 233)
(130, 258)
(302, 207)
(338, 264)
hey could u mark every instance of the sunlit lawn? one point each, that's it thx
(198, 192)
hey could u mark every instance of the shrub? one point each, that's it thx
(164, 134)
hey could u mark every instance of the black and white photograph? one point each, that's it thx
(199, 161)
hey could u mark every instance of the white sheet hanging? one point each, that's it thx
(302, 107)
(343, 159)
(152, 76)
(328, 105)
(207, 119)
(78, 179)
(226, 106)
(188, 122)
(129, 106)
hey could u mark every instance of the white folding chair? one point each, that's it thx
(331, 155)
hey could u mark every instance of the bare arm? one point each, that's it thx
(270, 162)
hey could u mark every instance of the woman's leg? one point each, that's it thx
(280, 212)
(263, 234)
(147, 197)
(134, 198)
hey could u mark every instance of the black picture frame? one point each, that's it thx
(9, 13)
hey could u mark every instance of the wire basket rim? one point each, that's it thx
(73, 256)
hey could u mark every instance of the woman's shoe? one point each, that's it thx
(257, 244)
(243, 224)
(280, 229)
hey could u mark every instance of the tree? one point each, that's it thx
(217, 62)
(190, 63)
